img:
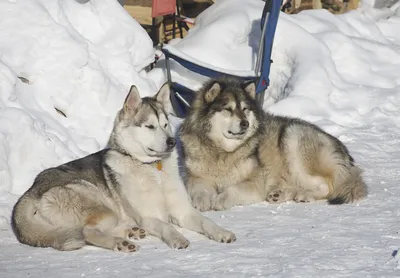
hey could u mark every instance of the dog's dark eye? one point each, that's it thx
(165, 125)
(245, 108)
(228, 109)
(150, 126)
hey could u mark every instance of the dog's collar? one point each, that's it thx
(157, 163)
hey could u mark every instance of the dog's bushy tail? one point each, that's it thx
(348, 187)
(32, 229)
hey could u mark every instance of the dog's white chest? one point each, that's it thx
(145, 192)
(151, 190)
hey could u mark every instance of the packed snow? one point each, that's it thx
(65, 69)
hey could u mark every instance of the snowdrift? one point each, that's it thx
(75, 63)
(338, 71)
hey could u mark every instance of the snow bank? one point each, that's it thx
(324, 66)
(377, 3)
(78, 58)
(339, 71)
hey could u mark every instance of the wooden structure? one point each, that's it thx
(141, 10)
(334, 6)
(161, 26)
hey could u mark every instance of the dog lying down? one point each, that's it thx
(236, 154)
(119, 194)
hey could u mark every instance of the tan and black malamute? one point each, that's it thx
(236, 154)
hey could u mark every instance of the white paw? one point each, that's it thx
(276, 196)
(178, 241)
(126, 246)
(203, 201)
(302, 197)
(223, 236)
(223, 201)
(135, 233)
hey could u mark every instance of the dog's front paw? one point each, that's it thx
(178, 241)
(224, 236)
(223, 201)
(126, 246)
(203, 201)
(135, 233)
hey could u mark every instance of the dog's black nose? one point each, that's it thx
(171, 142)
(244, 124)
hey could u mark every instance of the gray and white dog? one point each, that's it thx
(236, 154)
(118, 194)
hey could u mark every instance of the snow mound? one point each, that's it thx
(338, 71)
(75, 64)
(327, 60)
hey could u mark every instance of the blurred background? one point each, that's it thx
(163, 25)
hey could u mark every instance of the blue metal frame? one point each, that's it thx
(195, 67)
(271, 15)
(182, 96)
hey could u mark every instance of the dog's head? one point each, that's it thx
(142, 127)
(226, 112)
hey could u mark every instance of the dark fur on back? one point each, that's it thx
(286, 122)
(88, 168)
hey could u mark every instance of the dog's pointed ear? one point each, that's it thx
(213, 92)
(250, 89)
(163, 97)
(132, 100)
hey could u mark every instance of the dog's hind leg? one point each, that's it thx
(280, 195)
(304, 196)
(39, 222)
(165, 231)
(97, 231)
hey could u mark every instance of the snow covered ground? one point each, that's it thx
(340, 72)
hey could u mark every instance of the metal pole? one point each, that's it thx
(173, 94)
(260, 95)
(168, 70)
(261, 47)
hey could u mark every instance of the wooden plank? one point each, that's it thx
(141, 14)
(143, 3)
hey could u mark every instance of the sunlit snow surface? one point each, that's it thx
(341, 72)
